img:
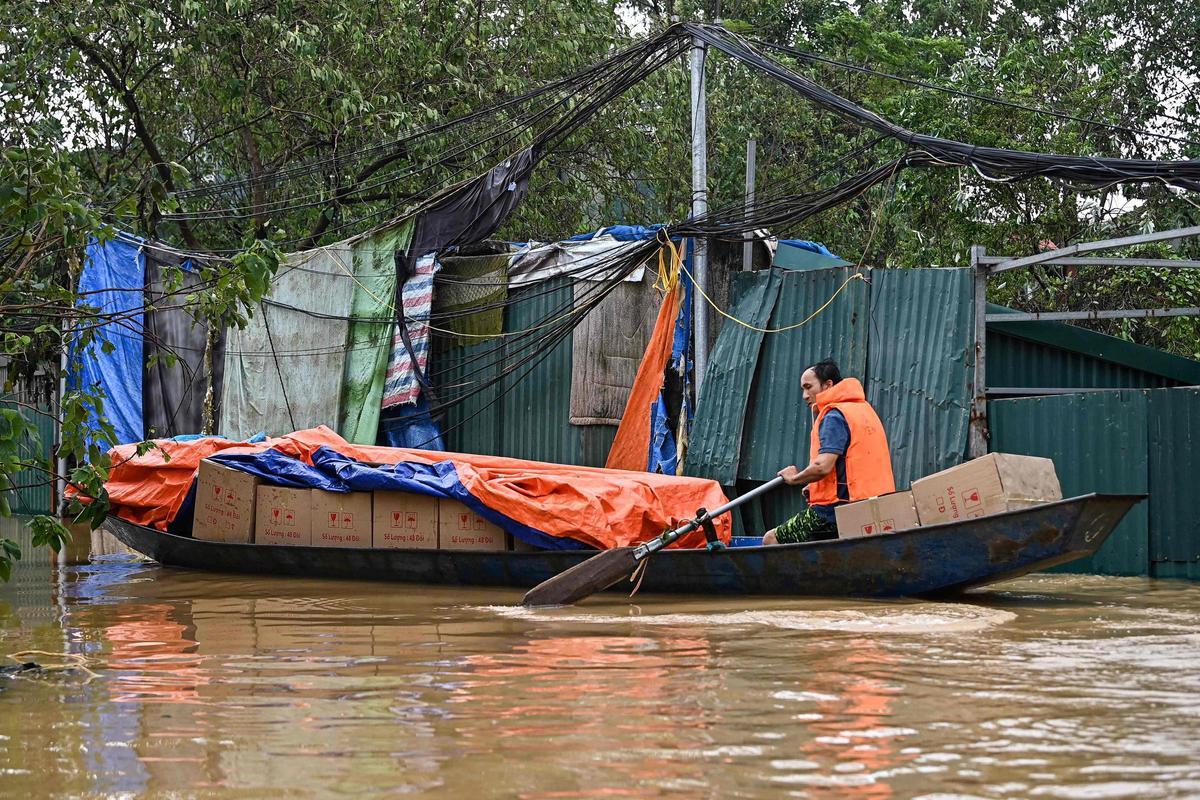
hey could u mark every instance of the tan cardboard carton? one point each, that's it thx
(284, 516)
(404, 520)
(989, 485)
(520, 546)
(224, 504)
(341, 519)
(883, 514)
(460, 528)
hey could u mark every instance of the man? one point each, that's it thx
(848, 455)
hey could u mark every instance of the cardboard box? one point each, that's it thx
(992, 484)
(341, 519)
(883, 514)
(520, 546)
(404, 520)
(225, 499)
(284, 516)
(460, 528)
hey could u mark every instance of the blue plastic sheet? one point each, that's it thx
(664, 450)
(413, 428)
(113, 280)
(335, 472)
(622, 233)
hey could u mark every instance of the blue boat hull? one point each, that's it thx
(921, 561)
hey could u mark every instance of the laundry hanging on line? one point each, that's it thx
(410, 342)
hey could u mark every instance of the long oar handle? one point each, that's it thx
(659, 542)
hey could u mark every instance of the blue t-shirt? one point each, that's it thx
(834, 437)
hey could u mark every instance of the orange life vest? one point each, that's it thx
(868, 460)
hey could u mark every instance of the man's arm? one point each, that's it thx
(821, 466)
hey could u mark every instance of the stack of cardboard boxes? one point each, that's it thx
(989, 485)
(234, 506)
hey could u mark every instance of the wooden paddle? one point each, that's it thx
(609, 566)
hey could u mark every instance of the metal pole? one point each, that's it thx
(977, 438)
(60, 458)
(748, 245)
(699, 208)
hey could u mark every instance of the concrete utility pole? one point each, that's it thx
(748, 245)
(699, 208)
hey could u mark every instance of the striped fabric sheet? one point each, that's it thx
(402, 385)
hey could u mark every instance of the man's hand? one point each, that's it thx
(791, 475)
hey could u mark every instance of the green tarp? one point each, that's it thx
(372, 313)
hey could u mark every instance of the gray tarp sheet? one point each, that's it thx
(300, 385)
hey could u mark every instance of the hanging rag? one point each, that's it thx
(370, 339)
(596, 258)
(174, 395)
(605, 356)
(284, 370)
(469, 297)
(113, 282)
(410, 343)
(474, 210)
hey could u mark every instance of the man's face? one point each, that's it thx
(811, 386)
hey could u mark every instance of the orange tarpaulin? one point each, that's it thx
(631, 447)
(601, 507)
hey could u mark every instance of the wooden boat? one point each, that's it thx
(922, 561)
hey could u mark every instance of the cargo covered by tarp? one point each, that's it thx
(546, 505)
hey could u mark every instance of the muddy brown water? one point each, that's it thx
(206, 685)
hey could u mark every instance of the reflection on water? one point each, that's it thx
(215, 685)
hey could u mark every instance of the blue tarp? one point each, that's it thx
(413, 428)
(622, 233)
(335, 472)
(664, 451)
(114, 280)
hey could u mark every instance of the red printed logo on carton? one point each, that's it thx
(889, 525)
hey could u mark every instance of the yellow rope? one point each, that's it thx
(857, 276)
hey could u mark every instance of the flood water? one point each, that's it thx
(230, 686)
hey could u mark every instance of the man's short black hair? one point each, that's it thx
(826, 370)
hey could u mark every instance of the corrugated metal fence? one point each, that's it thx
(904, 333)
(34, 496)
(527, 413)
(1120, 441)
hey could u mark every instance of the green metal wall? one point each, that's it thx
(1014, 362)
(526, 414)
(778, 422)
(1098, 443)
(36, 499)
(1174, 436)
(905, 334)
(920, 366)
(1121, 441)
(1056, 355)
(715, 446)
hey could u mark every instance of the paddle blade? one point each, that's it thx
(594, 575)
